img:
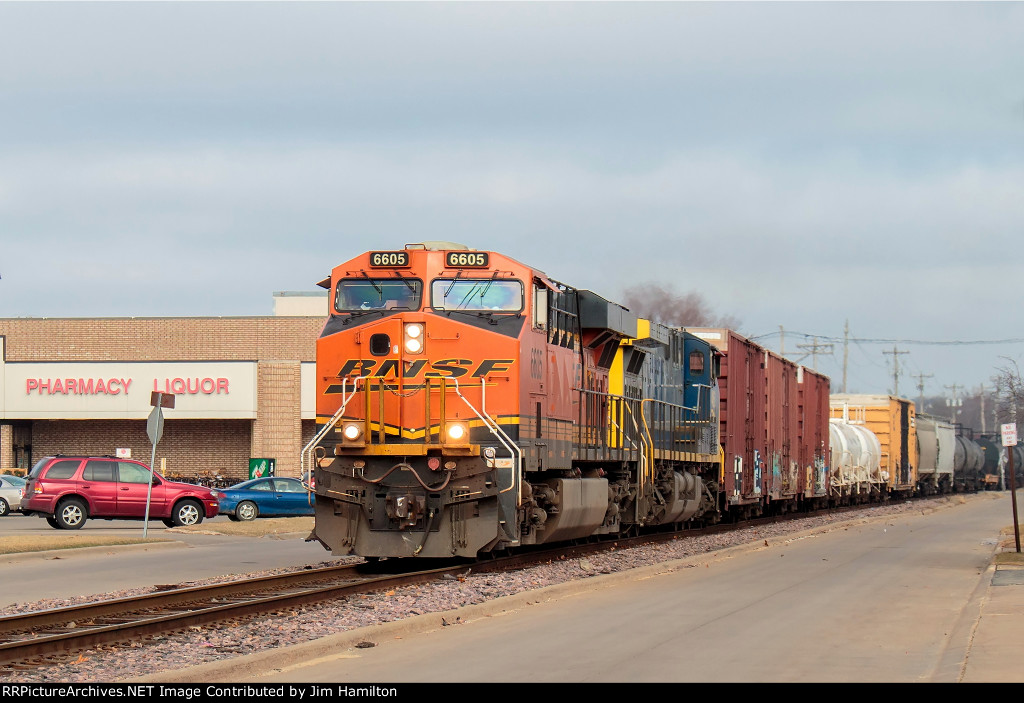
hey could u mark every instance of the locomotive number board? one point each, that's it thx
(466, 259)
(389, 259)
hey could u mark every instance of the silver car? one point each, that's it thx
(11, 490)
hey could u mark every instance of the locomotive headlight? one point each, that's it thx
(352, 431)
(414, 337)
(457, 432)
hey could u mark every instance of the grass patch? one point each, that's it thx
(260, 527)
(17, 544)
(1010, 558)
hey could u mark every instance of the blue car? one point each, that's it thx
(265, 497)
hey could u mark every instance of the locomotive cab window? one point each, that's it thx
(361, 294)
(477, 294)
(696, 363)
(540, 307)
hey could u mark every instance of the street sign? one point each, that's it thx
(1009, 434)
(155, 425)
(161, 400)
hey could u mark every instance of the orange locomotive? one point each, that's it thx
(463, 406)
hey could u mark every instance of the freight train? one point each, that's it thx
(468, 403)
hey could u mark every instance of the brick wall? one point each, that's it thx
(191, 447)
(160, 338)
(277, 431)
(6, 447)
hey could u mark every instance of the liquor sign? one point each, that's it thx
(126, 390)
(1009, 431)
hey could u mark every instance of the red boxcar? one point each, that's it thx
(774, 427)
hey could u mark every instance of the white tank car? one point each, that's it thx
(855, 459)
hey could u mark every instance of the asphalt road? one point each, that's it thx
(97, 570)
(893, 600)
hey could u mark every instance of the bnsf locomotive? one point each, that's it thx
(468, 403)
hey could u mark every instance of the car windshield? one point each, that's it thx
(360, 294)
(16, 480)
(476, 294)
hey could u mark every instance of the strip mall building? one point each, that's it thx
(244, 388)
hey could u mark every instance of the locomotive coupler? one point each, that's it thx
(407, 509)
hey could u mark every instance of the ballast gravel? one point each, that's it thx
(199, 645)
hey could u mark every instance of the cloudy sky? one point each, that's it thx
(800, 164)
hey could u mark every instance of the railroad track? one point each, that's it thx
(31, 640)
(27, 640)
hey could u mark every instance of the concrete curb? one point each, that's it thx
(250, 666)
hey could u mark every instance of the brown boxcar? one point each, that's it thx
(774, 427)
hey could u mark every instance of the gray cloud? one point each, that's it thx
(801, 163)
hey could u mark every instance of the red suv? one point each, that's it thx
(68, 489)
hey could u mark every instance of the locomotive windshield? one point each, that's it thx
(356, 294)
(476, 294)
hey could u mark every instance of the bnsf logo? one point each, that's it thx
(443, 368)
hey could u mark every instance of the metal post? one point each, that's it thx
(149, 491)
(154, 428)
(1013, 497)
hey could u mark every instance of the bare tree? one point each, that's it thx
(1009, 391)
(663, 304)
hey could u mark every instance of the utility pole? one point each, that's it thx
(955, 403)
(981, 400)
(782, 342)
(895, 368)
(920, 388)
(846, 349)
(813, 348)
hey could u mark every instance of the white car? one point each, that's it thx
(11, 490)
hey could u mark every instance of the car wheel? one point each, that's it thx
(52, 522)
(4, 507)
(233, 518)
(247, 510)
(70, 514)
(187, 512)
